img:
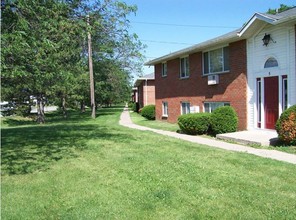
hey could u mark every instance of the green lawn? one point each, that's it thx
(162, 125)
(139, 120)
(79, 168)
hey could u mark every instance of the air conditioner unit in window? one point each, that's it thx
(194, 109)
(213, 79)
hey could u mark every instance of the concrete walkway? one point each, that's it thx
(259, 137)
(126, 121)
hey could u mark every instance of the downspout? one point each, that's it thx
(146, 101)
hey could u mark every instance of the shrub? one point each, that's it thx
(224, 120)
(135, 107)
(22, 110)
(286, 126)
(148, 112)
(130, 104)
(195, 123)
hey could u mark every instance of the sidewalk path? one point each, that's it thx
(126, 121)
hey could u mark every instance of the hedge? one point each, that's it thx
(148, 112)
(224, 120)
(135, 107)
(194, 123)
(286, 126)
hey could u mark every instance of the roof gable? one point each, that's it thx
(259, 20)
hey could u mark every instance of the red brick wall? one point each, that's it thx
(140, 96)
(151, 93)
(232, 86)
(142, 93)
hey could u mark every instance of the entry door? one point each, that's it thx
(271, 101)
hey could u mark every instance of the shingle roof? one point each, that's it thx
(150, 76)
(231, 36)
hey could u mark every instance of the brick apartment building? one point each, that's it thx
(144, 90)
(220, 72)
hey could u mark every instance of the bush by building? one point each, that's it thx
(286, 126)
(195, 123)
(148, 112)
(224, 120)
(135, 107)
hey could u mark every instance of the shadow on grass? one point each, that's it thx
(50, 118)
(109, 110)
(73, 116)
(34, 148)
(16, 121)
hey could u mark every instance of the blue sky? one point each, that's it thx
(191, 21)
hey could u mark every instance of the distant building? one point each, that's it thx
(144, 90)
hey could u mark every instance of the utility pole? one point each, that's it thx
(91, 73)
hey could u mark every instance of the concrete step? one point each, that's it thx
(256, 137)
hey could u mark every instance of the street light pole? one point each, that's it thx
(91, 74)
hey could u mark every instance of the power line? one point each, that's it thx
(181, 25)
(165, 42)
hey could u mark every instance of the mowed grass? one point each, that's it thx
(162, 125)
(79, 168)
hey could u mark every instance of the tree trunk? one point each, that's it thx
(82, 106)
(91, 75)
(40, 110)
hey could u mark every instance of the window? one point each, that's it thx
(216, 61)
(165, 109)
(211, 106)
(285, 92)
(271, 62)
(259, 102)
(184, 67)
(164, 70)
(185, 108)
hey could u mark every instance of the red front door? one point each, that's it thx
(271, 101)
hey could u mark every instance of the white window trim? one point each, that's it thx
(271, 57)
(186, 108)
(164, 72)
(167, 106)
(186, 76)
(285, 102)
(213, 73)
(204, 109)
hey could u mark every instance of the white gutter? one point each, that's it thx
(146, 99)
(231, 36)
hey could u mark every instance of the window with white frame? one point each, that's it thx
(285, 92)
(184, 67)
(211, 106)
(185, 108)
(271, 62)
(165, 111)
(259, 102)
(216, 61)
(164, 70)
